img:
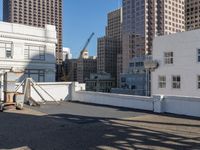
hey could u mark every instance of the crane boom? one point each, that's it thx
(88, 41)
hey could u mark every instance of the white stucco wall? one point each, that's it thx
(60, 91)
(20, 35)
(184, 46)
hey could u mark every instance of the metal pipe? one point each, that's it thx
(2, 87)
(33, 85)
(43, 90)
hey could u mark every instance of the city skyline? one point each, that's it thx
(75, 37)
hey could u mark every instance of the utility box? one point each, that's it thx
(9, 97)
(9, 86)
(12, 76)
(158, 103)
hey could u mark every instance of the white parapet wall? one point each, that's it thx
(119, 100)
(128, 101)
(189, 106)
(60, 91)
(159, 103)
(68, 91)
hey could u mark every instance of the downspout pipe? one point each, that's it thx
(2, 86)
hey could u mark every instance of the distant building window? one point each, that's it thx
(34, 52)
(162, 82)
(176, 82)
(123, 79)
(139, 64)
(131, 64)
(168, 58)
(133, 87)
(6, 49)
(198, 80)
(198, 55)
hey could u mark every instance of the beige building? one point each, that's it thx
(192, 14)
(110, 46)
(36, 13)
(85, 66)
(80, 69)
(145, 19)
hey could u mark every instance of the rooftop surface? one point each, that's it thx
(78, 126)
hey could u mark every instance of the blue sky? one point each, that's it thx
(80, 19)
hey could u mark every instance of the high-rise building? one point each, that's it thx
(192, 14)
(110, 46)
(114, 22)
(71, 69)
(107, 56)
(36, 13)
(145, 19)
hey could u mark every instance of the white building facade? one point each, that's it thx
(178, 56)
(66, 53)
(29, 49)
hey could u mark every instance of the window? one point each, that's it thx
(198, 55)
(198, 81)
(123, 79)
(36, 75)
(162, 82)
(176, 82)
(168, 58)
(139, 64)
(34, 52)
(6, 49)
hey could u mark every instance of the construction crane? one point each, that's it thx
(87, 43)
(65, 76)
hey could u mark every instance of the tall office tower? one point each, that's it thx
(145, 19)
(107, 56)
(192, 14)
(110, 46)
(37, 13)
(114, 22)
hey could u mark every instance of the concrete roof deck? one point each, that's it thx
(78, 126)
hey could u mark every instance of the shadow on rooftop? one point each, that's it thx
(74, 132)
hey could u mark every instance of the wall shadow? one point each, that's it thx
(40, 65)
